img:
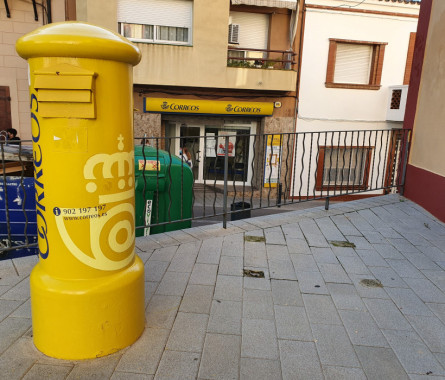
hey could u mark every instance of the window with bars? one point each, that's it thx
(355, 64)
(154, 33)
(343, 168)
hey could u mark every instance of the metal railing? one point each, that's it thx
(260, 58)
(227, 174)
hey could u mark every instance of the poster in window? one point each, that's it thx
(272, 161)
(210, 144)
(222, 142)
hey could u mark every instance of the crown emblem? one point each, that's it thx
(120, 163)
(164, 105)
(229, 108)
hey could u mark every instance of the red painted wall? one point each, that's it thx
(422, 186)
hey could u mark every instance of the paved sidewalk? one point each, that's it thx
(372, 311)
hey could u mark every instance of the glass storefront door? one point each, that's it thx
(206, 143)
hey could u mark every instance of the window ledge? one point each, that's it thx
(352, 86)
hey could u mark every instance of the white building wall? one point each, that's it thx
(323, 109)
(367, 107)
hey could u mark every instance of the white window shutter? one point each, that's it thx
(254, 29)
(176, 13)
(353, 63)
(233, 34)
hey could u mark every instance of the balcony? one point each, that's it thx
(260, 58)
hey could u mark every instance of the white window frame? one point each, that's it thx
(156, 32)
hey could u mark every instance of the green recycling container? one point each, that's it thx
(166, 193)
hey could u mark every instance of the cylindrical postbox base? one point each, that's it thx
(84, 319)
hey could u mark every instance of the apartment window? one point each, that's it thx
(343, 168)
(156, 21)
(355, 64)
(409, 58)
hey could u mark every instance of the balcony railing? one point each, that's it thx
(260, 58)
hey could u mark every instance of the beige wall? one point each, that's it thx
(205, 63)
(98, 12)
(13, 69)
(428, 146)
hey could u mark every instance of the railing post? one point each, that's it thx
(405, 162)
(326, 204)
(226, 169)
(279, 194)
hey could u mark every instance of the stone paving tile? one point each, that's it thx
(11, 329)
(311, 283)
(292, 231)
(220, 357)
(412, 353)
(334, 346)
(259, 339)
(274, 236)
(298, 246)
(431, 330)
(388, 366)
(257, 283)
(286, 293)
(405, 269)
(229, 288)
(386, 314)
(257, 304)
(334, 273)
(50, 372)
(154, 270)
(203, 274)
(345, 297)
(313, 234)
(408, 302)
(181, 236)
(324, 255)
(299, 360)
(292, 323)
(164, 254)
(321, 309)
(420, 261)
(7, 307)
(225, 317)
(343, 373)
(19, 292)
(210, 251)
(438, 309)
(139, 359)
(260, 369)
(255, 255)
(387, 251)
(371, 258)
(304, 263)
(176, 365)
(277, 252)
(282, 270)
(362, 329)
(388, 277)
(426, 290)
(161, 311)
(133, 376)
(101, 367)
(354, 265)
(345, 226)
(343, 252)
(197, 299)
(366, 291)
(233, 245)
(146, 244)
(182, 263)
(173, 284)
(359, 241)
(231, 266)
(329, 229)
(188, 332)
(18, 359)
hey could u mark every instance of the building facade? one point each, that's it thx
(355, 69)
(209, 71)
(16, 19)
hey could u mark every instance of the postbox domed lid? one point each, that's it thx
(78, 40)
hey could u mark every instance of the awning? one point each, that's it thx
(290, 4)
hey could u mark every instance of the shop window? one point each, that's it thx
(156, 21)
(355, 64)
(343, 168)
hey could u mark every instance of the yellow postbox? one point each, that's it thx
(87, 291)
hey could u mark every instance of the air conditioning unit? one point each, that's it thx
(396, 103)
(234, 34)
